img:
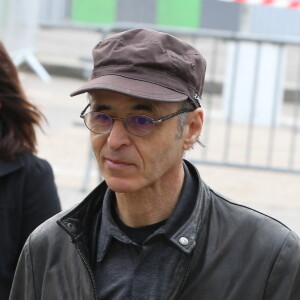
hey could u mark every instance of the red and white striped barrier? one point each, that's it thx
(292, 4)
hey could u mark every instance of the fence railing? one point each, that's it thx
(18, 28)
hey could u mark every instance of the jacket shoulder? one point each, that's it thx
(250, 222)
(48, 230)
(33, 163)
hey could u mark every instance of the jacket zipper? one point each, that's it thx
(88, 269)
(187, 273)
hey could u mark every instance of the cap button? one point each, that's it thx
(183, 241)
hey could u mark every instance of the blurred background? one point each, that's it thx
(251, 98)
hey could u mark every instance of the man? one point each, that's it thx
(153, 229)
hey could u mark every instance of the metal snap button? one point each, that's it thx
(183, 241)
(193, 66)
(71, 226)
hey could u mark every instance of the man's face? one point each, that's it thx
(130, 163)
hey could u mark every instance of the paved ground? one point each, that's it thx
(66, 144)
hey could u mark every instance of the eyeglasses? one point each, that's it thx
(138, 125)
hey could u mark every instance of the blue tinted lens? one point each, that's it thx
(139, 125)
(102, 118)
(98, 122)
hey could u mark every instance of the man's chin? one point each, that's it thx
(121, 186)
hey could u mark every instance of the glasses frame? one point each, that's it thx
(167, 117)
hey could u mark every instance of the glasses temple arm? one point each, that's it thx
(82, 113)
(172, 115)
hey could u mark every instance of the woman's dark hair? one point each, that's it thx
(17, 116)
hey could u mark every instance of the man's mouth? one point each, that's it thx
(116, 163)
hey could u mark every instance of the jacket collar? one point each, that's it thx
(185, 237)
(10, 167)
(83, 222)
(178, 230)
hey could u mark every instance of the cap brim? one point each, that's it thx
(131, 87)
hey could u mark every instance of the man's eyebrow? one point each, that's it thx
(140, 107)
(145, 107)
(99, 107)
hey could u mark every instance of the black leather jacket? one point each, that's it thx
(238, 254)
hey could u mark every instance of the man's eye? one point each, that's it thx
(99, 117)
(141, 120)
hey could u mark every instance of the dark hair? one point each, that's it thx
(17, 115)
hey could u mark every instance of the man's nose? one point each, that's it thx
(118, 136)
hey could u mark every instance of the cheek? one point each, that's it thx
(97, 142)
(162, 155)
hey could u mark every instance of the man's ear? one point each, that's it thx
(193, 128)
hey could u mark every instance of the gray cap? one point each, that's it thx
(147, 64)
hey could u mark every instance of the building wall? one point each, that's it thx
(161, 12)
(209, 14)
(274, 20)
(94, 11)
(138, 11)
(220, 15)
(179, 13)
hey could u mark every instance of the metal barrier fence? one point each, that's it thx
(18, 28)
(251, 99)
